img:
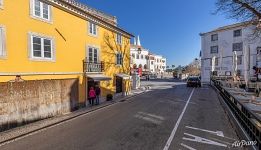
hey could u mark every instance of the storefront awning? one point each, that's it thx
(123, 76)
(98, 77)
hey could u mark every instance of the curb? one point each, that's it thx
(17, 137)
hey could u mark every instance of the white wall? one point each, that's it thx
(139, 61)
(225, 42)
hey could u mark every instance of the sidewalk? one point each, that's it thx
(19, 132)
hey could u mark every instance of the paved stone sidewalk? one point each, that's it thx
(25, 130)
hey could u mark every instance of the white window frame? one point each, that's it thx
(214, 37)
(91, 29)
(236, 48)
(3, 38)
(239, 60)
(235, 31)
(119, 38)
(212, 51)
(33, 15)
(42, 37)
(1, 4)
(119, 60)
(98, 53)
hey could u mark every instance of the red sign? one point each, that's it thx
(140, 71)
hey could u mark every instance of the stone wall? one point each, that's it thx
(28, 101)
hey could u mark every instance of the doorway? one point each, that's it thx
(118, 84)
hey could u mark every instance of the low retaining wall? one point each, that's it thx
(29, 101)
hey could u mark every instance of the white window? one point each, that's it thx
(41, 10)
(93, 30)
(214, 37)
(237, 46)
(41, 48)
(239, 60)
(119, 39)
(93, 54)
(119, 59)
(237, 33)
(2, 42)
(1, 3)
(133, 55)
(213, 49)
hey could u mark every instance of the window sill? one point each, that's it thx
(42, 60)
(41, 19)
(118, 65)
(4, 57)
(93, 35)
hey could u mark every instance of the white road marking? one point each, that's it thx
(188, 147)
(203, 88)
(152, 115)
(202, 140)
(177, 124)
(221, 141)
(246, 135)
(218, 133)
(174, 102)
(148, 119)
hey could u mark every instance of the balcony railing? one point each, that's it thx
(93, 66)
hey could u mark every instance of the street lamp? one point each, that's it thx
(139, 50)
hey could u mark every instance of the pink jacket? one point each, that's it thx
(92, 94)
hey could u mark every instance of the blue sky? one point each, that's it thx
(167, 27)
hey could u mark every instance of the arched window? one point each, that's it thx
(134, 66)
(140, 65)
(145, 66)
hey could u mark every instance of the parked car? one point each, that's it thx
(193, 81)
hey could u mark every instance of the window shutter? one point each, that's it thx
(1, 42)
(98, 55)
(90, 27)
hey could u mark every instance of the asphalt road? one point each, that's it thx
(145, 122)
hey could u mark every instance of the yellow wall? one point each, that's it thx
(15, 17)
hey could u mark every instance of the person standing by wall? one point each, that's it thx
(98, 93)
(92, 96)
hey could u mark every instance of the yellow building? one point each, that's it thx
(63, 39)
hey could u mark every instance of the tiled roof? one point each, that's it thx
(82, 10)
(93, 11)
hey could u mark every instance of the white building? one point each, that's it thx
(139, 59)
(159, 64)
(231, 49)
(142, 58)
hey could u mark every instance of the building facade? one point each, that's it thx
(229, 50)
(60, 40)
(144, 59)
(139, 59)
